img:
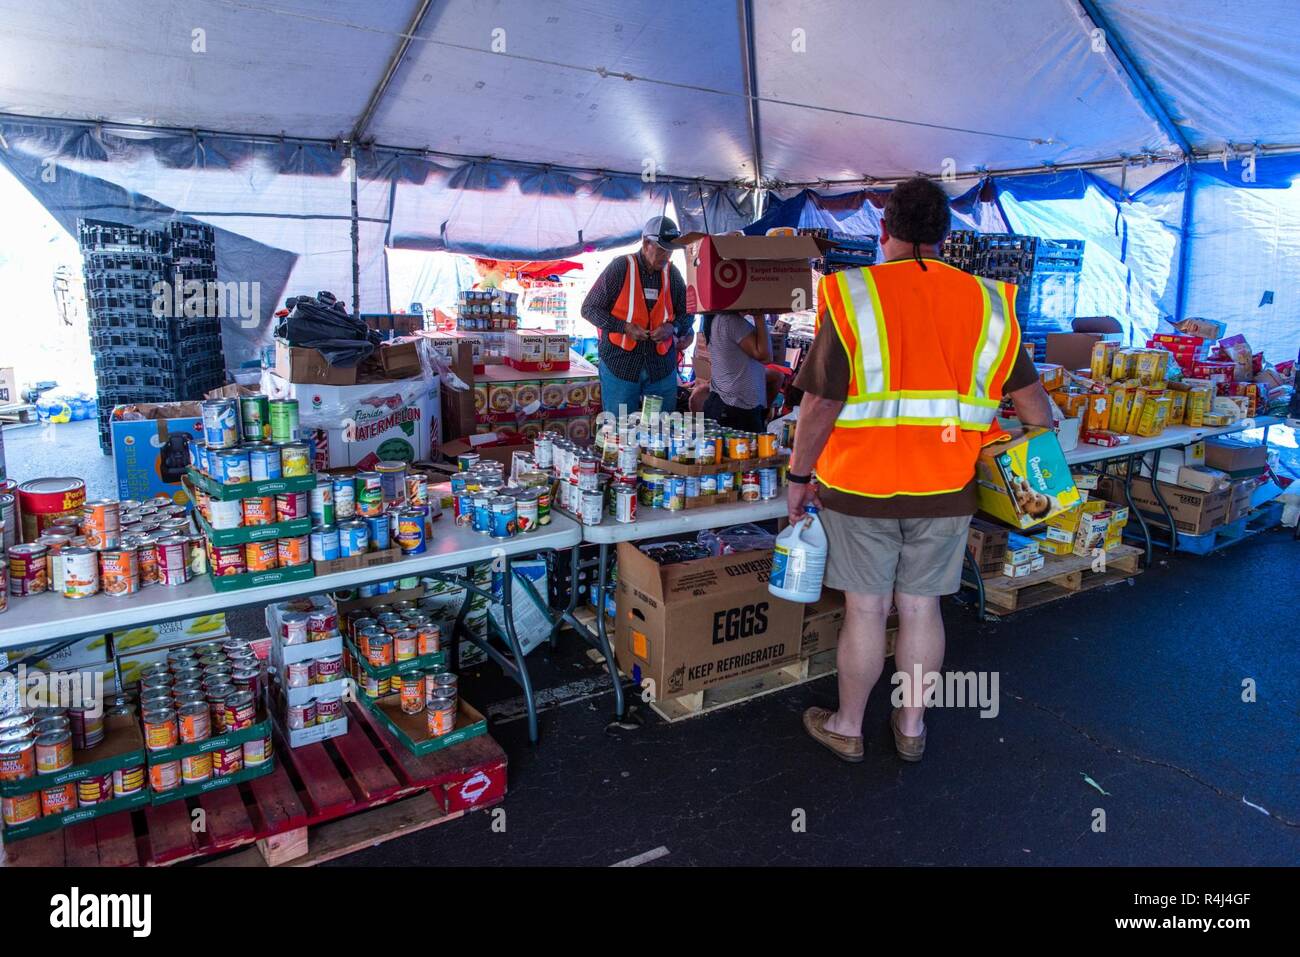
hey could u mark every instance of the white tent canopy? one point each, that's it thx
(543, 128)
(839, 89)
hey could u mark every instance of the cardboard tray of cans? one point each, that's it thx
(275, 576)
(50, 822)
(122, 747)
(301, 737)
(413, 729)
(418, 663)
(260, 730)
(726, 465)
(346, 605)
(212, 784)
(296, 483)
(293, 528)
(364, 560)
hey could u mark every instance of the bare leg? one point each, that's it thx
(860, 659)
(920, 643)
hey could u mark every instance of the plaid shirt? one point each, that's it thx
(624, 363)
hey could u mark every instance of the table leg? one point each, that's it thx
(1133, 510)
(1164, 507)
(516, 650)
(602, 635)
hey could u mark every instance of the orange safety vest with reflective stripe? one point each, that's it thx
(630, 307)
(929, 353)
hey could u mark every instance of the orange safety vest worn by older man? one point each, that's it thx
(930, 350)
(631, 307)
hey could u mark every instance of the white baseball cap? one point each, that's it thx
(661, 231)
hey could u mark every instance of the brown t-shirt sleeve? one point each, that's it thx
(1023, 373)
(825, 370)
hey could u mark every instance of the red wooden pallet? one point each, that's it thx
(362, 770)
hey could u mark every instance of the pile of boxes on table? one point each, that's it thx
(1206, 485)
(1191, 375)
(540, 386)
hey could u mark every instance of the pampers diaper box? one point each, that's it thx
(1025, 480)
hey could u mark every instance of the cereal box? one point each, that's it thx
(578, 393)
(1103, 359)
(1096, 411)
(1091, 533)
(557, 347)
(1025, 480)
(501, 397)
(528, 396)
(554, 394)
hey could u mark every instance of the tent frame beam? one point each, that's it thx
(1142, 88)
(745, 16)
(390, 71)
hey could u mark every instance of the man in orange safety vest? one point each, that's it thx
(908, 366)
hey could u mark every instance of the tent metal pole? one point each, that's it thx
(394, 62)
(745, 14)
(356, 231)
(1137, 79)
(1185, 242)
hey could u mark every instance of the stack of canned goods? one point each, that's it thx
(38, 744)
(114, 547)
(385, 635)
(490, 504)
(250, 439)
(201, 692)
(374, 510)
(250, 512)
(610, 480)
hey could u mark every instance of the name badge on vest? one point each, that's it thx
(651, 295)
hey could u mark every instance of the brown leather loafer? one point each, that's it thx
(842, 746)
(909, 747)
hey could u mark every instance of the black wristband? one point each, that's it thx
(798, 479)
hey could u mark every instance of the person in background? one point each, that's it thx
(739, 351)
(902, 384)
(638, 305)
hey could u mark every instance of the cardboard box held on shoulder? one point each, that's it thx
(693, 625)
(1025, 480)
(743, 273)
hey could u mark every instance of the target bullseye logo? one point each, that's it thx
(728, 274)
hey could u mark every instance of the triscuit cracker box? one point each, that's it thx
(1025, 480)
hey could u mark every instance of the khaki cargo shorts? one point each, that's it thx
(878, 556)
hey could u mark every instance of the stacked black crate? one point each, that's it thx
(152, 302)
(1045, 272)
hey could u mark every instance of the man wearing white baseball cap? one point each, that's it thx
(639, 306)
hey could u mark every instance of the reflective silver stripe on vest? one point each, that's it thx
(864, 320)
(994, 339)
(938, 411)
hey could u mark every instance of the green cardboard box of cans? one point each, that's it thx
(410, 729)
(296, 483)
(434, 659)
(292, 528)
(228, 740)
(276, 576)
(50, 822)
(212, 784)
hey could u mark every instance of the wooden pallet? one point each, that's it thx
(322, 801)
(739, 690)
(1060, 577)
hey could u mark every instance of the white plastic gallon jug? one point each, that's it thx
(799, 560)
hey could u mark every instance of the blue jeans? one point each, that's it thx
(615, 391)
